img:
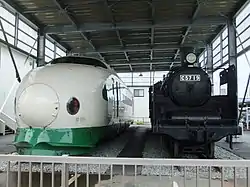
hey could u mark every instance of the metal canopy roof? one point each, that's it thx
(130, 35)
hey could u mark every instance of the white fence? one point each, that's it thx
(62, 171)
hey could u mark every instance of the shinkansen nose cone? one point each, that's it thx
(37, 105)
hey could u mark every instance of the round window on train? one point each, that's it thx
(73, 106)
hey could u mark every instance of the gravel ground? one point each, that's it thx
(109, 149)
(154, 150)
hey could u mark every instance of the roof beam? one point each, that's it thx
(140, 59)
(98, 27)
(115, 49)
(142, 69)
(73, 21)
(194, 15)
(152, 29)
(117, 32)
(145, 62)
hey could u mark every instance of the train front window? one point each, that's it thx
(79, 60)
(73, 106)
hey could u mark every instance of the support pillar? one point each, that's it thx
(232, 47)
(232, 87)
(247, 120)
(54, 49)
(209, 64)
(132, 78)
(232, 52)
(16, 29)
(150, 76)
(41, 48)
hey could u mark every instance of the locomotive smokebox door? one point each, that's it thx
(188, 56)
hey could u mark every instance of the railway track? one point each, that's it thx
(186, 156)
(133, 149)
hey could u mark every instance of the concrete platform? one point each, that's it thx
(241, 149)
(6, 144)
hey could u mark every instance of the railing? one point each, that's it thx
(7, 120)
(62, 171)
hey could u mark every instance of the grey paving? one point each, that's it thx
(241, 149)
(6, 144)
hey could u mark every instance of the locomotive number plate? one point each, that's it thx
(195, 77)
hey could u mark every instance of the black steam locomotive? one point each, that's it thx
(182, 108)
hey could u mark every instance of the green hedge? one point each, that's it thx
(139, 123)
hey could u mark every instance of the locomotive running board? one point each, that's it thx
(196, 118)
(198, 121)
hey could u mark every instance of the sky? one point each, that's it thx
(243, 73)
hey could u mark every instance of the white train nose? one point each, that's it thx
(38, 105)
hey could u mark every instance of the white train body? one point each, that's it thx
(65, 105)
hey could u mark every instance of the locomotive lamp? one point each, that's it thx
(191, 58)
(188, 57)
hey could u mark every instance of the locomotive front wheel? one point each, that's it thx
(175, 149)
(209, 150)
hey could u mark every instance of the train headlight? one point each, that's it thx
(191, 58)
(73, 106)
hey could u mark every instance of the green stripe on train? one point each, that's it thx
(72, 141)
